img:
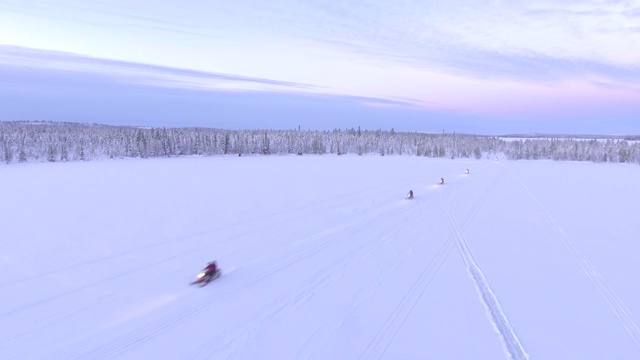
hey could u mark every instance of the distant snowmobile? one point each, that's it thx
(441, 182)
(466, 171)
(208, 274)
(410, 195)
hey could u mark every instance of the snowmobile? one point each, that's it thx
(441, 182)
(467, 172)
(204, 278)
(410, 195)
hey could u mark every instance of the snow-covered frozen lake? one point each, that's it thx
(322, 258)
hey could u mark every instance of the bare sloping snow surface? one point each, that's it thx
(322, 258)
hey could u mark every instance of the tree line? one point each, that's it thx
(593, 150)
(23, 141)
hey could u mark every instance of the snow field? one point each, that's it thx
(322, 257)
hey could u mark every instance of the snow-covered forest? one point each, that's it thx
(23, 141)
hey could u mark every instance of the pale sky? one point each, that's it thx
(486, 67)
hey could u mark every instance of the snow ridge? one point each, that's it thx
(510, 342)
(618, 307)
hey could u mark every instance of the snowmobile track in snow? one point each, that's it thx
(290, 301)
(289, 255)
(380, 344)
(338, 331)
(278, 221)
(511, 344)
(617, 306)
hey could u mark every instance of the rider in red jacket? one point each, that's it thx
(211, 268)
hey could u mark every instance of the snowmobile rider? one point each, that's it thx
(410, 194)
(211, 269)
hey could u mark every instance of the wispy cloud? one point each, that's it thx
(86, 12)
(62, 94)
(136, 72)
(540, 41)
(484, 41)
(634, 12)
(566, 12)
(527, 66)
(161, 76)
